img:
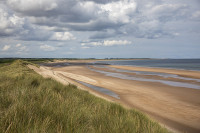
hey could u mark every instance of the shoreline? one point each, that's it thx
(93, 61)
(175, 107)
(186, 73)
(170, 68)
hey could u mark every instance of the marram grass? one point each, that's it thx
(30, 103)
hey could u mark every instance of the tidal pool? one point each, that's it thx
(100, 89)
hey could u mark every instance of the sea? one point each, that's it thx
(185, 64)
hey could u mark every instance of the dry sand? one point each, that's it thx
(176, 108)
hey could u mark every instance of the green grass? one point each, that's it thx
(33, 60)
(30, 103)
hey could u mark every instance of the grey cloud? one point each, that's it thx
(75, 15)
(151, 19)
(167, 12)
(96, 25)
(10, 23)
(22, 29)
(150, 30)
(43, 35)
(140, 19)
(102, 1)
(64, 11)
(35, 33)
(93, 25)
(33, 8)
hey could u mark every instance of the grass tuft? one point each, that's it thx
(35, 83)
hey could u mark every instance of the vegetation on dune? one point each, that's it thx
(31, 103)
(33, 60)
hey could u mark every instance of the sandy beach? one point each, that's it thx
(175, 107)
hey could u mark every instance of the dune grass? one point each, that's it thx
(31, 103)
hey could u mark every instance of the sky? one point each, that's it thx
(100, 28)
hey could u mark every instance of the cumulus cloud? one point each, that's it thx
(32, 7)
(47, 48)
(152, 17)
(116, 42)
(103, 22)
(62, 36)
(51, 20)
(106, 43)
(60, 10)
(18, 45)
(92, 15)
(10, 23)
(6, 47)
(120, 11)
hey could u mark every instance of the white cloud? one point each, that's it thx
(47, 48)
(9, 23)
(62, 36)
(106, 43)
(153, 18)
(18, 45)
(120, 10)
(6, 47)
(116, 42)
(92, 43)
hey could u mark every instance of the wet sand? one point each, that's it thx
(186, 73)
(177, 108)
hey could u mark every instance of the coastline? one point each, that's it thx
(175, 107)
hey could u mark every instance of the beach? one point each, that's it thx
(175, 107)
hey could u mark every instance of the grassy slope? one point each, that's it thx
(30, 103)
